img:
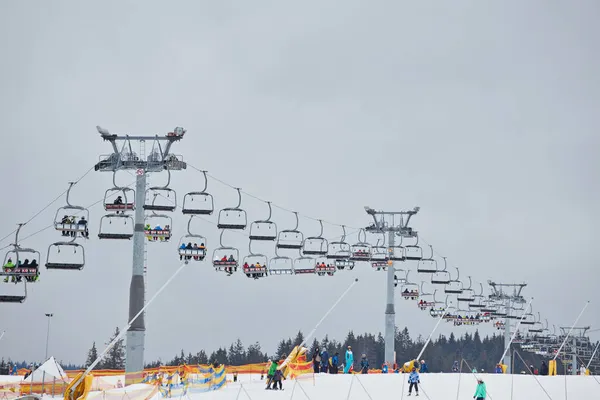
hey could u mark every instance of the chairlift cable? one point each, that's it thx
(266, 201)
(45, 208)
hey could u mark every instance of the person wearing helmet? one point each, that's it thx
(424, 368)
(481, 391)
(413, 380)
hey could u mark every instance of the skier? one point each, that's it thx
(480, 392)
(324, 361)
(316, 359)
(413, 380)
(349, 360)
(424, 367)
(544, 368)
(277, 377)
(271, 373)
(455, 366)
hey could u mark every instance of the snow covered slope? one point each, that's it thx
(434, 387)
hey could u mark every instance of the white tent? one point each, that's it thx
(52, 370)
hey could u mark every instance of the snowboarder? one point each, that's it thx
(413, 380)
(349, 360)
(480, 392)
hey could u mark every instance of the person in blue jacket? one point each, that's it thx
(364, 365)
(384, 368)
(413, 380)
(335, 362)
(424, 367)
(324, 361)
(349, 360)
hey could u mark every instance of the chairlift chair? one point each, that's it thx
(233, 217)
(409, 289)
(413, 252)
(339, 250)
(158, 227)
(361, 251)
(66, 263)
(225, 258)
(399, 279)
(455, 286)
(281, 265)
(437, 311)
(255, 265)
(290, 238)
(232, 256)
(379, 257)
(315, 245)
(323, 267)
(108, 219)
(168, 194)
(529, 319)
(265, 230)
(69, 211)
(15, 298)
(467, 295)
(197, 253)
(127, 199)
(427, 265)
(441, 277)
(198, 203)
(304, 265)
(397, 252)
(424, 304)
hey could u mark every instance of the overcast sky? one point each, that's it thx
(484, 115)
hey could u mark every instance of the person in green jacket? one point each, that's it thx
(271, 373)
(480, 392)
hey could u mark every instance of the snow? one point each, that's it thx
(385, 386)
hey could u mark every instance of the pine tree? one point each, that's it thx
(92, 355)
(299, 338)
(115, 358)
(255, 354)
(237, 353)
(201, 357)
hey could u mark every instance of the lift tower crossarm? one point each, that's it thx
(393, 229)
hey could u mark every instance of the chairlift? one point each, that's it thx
(397, 252)
(399, 280)
(304, 265)
(409, 289)
(192, 246)
(225, 258)
(455, 286)
(468, 294)
(379, 257)
(64, 219)
(124, 201)
(441, 277)
(198, 203)
(166, 193)
(281, 265)
(57, 260)
(427, 265)
(15, 298)
(21, 272)
(413, 252)
(437, 311)
(265, 230)
(478, 301)
(290, 238)
(107, 221)
(233, 217)
(255, 265)
(361, 251)
(339, 250)
(315, 245)
(424, 304)
(529, 319)
(323, 267)
(158, 227)
(537, 327)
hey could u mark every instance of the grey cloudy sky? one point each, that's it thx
(483, 114)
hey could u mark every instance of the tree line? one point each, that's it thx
(440, 354)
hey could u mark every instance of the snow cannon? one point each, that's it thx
(79, 387)
(409, 365)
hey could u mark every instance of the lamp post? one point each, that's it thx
(49, 316)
